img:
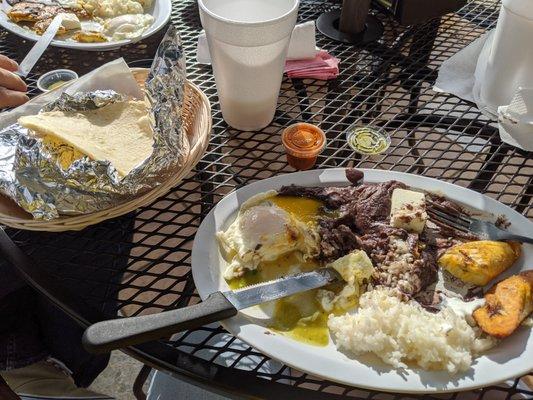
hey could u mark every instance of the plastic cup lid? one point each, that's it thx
(303, 140)
(368, 140)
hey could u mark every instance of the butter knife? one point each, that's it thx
(38, 49)
(123, 332)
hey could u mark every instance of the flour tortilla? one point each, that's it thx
(120, 133)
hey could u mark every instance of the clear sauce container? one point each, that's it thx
(303, 143)
(54, 79)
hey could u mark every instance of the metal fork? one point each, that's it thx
(467, 224)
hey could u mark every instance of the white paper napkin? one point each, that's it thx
(303, 42)
(457, 74)
(302, 45)
(462, 75)
(516, 120)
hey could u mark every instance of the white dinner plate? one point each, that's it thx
(160, 10)
(511, 358)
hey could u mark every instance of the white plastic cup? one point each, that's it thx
(248, 42)
(509, 62)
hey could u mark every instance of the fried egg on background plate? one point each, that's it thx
(262, 232)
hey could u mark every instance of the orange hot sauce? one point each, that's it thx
(303, 143)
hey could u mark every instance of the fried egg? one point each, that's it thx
(127, 26)
(263, 232)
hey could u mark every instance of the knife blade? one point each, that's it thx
(123, 332)
(276, 289)
(38, 49)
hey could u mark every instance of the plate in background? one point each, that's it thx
(160, 10)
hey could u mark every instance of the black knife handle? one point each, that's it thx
(123, 332)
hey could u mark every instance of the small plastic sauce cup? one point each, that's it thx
(54, 79)
(303, 143)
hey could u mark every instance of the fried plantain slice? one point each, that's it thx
(80, 12)
(25, 12)
(508, 303)
(49, 12)
(42, 14)
(480, 261)
(89, 37)
(41, 26)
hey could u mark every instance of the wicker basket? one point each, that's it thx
(197, 126)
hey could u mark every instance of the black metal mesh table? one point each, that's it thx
(140, 263)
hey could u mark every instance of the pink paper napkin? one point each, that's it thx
(324, 66)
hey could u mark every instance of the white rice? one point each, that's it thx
(399, 332)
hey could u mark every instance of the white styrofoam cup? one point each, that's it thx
(248, 42)
(507, 60)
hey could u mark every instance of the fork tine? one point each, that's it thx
(464, 220)
(445, 220)
(448, 217)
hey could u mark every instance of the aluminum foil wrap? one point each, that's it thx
(31, 173)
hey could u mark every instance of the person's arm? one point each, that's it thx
(12, 87)
(12, 94)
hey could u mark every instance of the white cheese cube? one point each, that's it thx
(408, 210)
(353, 267)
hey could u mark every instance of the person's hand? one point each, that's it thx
(12, 87)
